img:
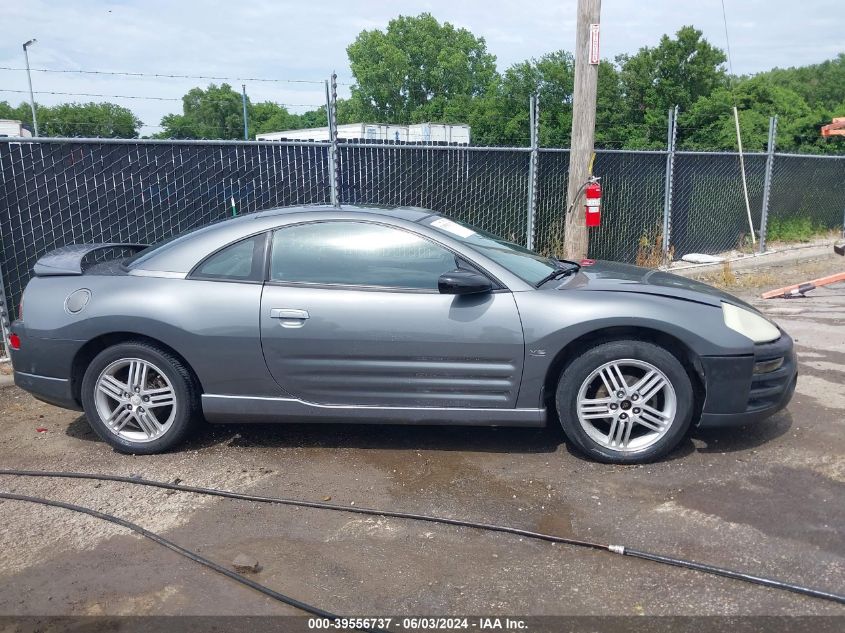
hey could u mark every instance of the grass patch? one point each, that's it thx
(793, 229)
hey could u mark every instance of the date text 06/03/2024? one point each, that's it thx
(419, 623)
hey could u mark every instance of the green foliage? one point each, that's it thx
(501, 115)
(104, 120)
(270, 117)
(418, 70)
(678, 71)
(792, 229)
(821, 85)
(710, 122)
(19, 113)
(216, 112)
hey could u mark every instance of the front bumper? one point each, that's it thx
(735, 395)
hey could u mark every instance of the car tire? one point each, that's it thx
(625, 401)
(139, 398)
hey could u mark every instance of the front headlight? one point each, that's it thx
(750, 324)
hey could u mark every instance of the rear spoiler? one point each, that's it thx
(68, 259)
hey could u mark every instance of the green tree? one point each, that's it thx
(501, 115)
(678, 71)
(417, 70)
(19, 113)
(821, 85)
(709, 124)
(102, 120)
(610, 111)
(271, 117)
(216, 112)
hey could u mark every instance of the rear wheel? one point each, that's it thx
(625, 401)
(139, 398)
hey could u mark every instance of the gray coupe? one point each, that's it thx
(398, 316)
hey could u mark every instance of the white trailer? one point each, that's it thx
(414, 133)
(439, 133)
(10, 127)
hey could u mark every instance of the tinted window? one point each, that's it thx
(241, 261)
(357, 254)
(142, 256)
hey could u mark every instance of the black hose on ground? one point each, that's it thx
(617, 549)
(176, 548)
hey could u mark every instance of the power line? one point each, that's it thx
(144, 97)
(165, 75)
(727, 39)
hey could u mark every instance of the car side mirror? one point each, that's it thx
(463, 282)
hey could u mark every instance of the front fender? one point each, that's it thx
(552, 320)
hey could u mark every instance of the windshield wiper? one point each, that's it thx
(571, 267)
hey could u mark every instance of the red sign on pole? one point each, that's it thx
(594, 44)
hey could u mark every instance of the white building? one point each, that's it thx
(10, 127)
(414, 133)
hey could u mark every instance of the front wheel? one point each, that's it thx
(625, 402)
(139, 398)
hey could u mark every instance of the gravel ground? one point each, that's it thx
(768, 499)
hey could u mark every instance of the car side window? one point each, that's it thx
(241, 261)
(353, 253)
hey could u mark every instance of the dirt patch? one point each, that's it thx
(769, 277)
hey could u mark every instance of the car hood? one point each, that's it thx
(615, 277)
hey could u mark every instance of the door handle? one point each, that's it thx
(288, 313)
(289, 317)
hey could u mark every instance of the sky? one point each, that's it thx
(303, 41)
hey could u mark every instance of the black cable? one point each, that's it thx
(616, 549)
(307, 504)
(176, 548)
(736, 575)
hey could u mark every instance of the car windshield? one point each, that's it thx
(529, 266)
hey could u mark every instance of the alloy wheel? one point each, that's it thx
(135, 400)
(626, 405)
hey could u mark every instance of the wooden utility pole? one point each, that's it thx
(583, 125)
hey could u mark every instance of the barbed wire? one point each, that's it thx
(169, 75)
(151, 98)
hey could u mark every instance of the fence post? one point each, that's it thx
(334, 155)
(533, 164)
(5, 320)
(671, 134)
(246, 120)
(767, 182)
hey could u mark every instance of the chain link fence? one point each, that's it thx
(487, 187)
(62, 191)
(708, 203)
(807, 195)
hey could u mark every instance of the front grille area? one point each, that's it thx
(767, 389)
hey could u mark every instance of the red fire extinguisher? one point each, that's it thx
(592, 203)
